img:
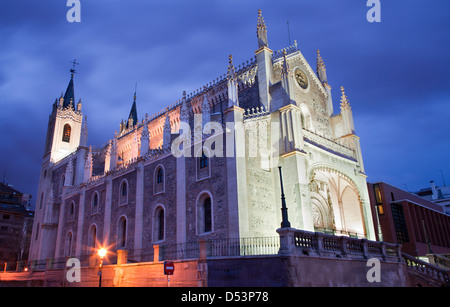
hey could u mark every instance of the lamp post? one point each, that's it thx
(101, 254)
(285, 221)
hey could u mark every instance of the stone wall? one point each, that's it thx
(298, 271)
(249, 271)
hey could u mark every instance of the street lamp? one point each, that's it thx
(101, 253)
(284, 215)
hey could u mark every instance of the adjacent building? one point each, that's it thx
(439, 195)
(421, 226)
(16, 221)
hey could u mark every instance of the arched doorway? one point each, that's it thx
(335, 203)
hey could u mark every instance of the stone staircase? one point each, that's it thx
(442, 261)
(431, 275)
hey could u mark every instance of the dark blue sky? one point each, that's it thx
(395, 72)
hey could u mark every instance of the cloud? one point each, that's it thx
(394, 72)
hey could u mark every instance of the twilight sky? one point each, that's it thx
(395, 72)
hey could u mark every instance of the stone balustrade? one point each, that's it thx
(330, 145)
(436, 276)
(306, 243)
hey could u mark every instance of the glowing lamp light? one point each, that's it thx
(102, 252)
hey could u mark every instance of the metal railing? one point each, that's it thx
(243, 247)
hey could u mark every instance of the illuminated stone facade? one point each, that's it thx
(160, 181)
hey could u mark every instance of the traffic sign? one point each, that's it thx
(168, 268)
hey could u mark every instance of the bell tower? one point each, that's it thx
(64, 125)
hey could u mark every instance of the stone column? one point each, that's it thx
(236, 173)
(181, 198)
(78, 248)
(107, 220)
(139, 212)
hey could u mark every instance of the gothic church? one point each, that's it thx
(136, 190)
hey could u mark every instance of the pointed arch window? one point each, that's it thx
(160, 176)
(95, 200)
(71, 211)
(122, 233)
(203, 168)
(41, 200)
(159, 184)
(123, 193)
(203, 160)
(158, 222)
(92, 240)
(66, 133)
(36, 232)
(207, 217)
(68, 245)
(204, 214)
(124, 189)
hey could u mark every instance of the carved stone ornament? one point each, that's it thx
(301, 78)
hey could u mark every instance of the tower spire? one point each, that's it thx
(231, 70)
(233, 99)
(69, 96)
(344, 100)
(346, 112)
(320, 69)
(133, 117)
(184, 109)
(261, 31)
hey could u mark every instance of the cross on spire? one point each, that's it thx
(74, 64)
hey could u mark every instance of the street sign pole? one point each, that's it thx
(169, 268)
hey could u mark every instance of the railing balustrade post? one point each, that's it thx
(365, 248)
(287, 244)
(383, 250)
(344, 241)
(399, 252)
(318, 237)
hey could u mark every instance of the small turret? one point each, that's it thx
(206, 111)
(166, 133)
(261, 31)
(346, 112)
(322, 75)
(84, 132)
(145, 141)
(320, 69)
(232, 84)
(88, 166)
(184, 111)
